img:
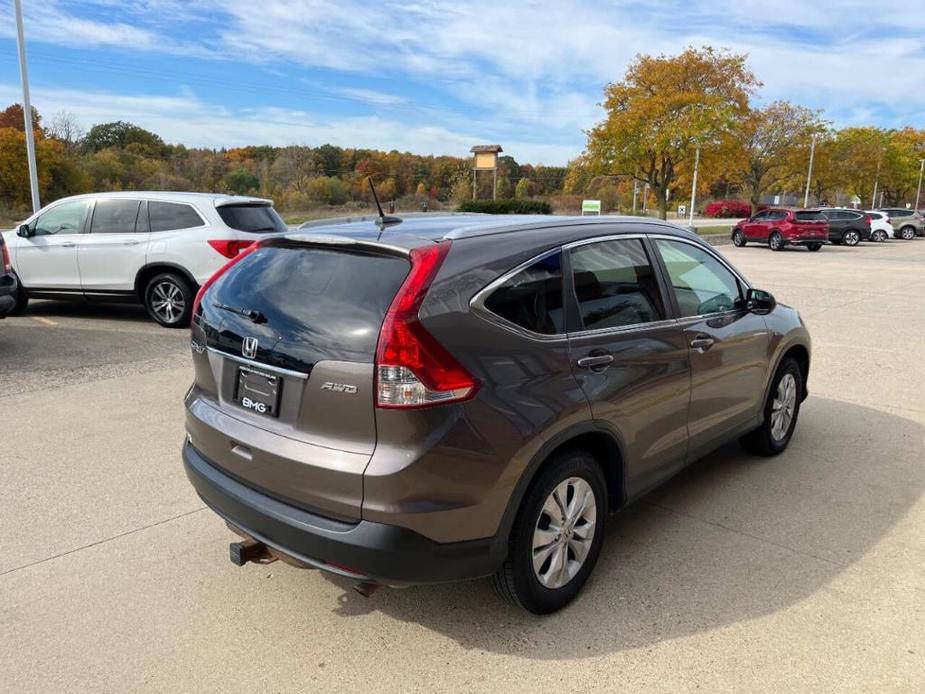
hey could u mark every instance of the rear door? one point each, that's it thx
(111, 255)
(283, 398)
(629, 356)
(728, 345)
(48, 258)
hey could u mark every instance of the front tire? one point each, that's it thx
(780, 412)
(557, 535)
(169, 300)
(738, 238)
(907, 233)
(776, 241)
(851, 238)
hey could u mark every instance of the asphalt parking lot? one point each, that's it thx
(804, 572)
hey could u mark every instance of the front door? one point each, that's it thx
(757, 229)
(111, 255)
(48, 258)
(728, 344)
(629, 356)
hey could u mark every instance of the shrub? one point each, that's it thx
(727, 208)
(506, 206)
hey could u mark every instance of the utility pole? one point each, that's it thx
(636, 192)
(918, 191)
(645, 198)
(873, 198)
(690, 219)
(809, 174)
(27, 107)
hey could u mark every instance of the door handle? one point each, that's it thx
(130, 243)
(68, 244)
(702, 342)
(595, 361)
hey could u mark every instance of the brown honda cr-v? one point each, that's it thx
(457, 396)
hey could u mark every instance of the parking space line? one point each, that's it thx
(45, 321)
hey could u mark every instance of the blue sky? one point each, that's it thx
(437, 77)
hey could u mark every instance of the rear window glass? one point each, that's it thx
(324, 304)
(532, 298)
(809, 216)
(166, 216)
(256, 219)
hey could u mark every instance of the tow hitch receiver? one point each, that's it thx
(250, 550)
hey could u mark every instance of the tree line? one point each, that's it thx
(657, 117)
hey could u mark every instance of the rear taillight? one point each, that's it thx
(251, 247)
(412, 368)
(229, 248)
(888, 220)
(5, 258)
(868, 219)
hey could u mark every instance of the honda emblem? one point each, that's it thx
(249, 347)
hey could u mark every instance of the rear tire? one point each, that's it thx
(851, 238)
(738, 238)
(814, 246)
(169, 300)
(22, 302)
(776, 241)
(879, 236)
(907, 233)
(544, 570)
(781, 411)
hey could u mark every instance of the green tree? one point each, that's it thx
(241, 181)
(663, 108)
(124, 135)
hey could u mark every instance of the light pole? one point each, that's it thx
(635, 193)
(809, 174)
(27, 107)
(918, 191)
(873, 198)
(690, 218)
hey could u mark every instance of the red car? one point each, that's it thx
(780, 226)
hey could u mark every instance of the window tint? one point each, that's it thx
(165, 216)
(700, 282)
(114, 217)
(761, 216)
(809, 216)
(901, 213)
(252, 218)
(66, 218)
(532, 298)
(778, 214)
(615, 284)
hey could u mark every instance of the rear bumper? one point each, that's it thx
(369, 551)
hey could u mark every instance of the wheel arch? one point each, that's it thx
(145, 274)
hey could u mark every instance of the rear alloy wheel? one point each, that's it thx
(814, 246)
(851, 238)
(907, 233)
(169, 300)
(776, 241)
(557, 535)
(780, 412)
(879, 235)
(738, 238)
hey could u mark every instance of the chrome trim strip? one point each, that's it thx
(259, 365)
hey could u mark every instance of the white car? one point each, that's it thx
(880, 227)
(150, 247)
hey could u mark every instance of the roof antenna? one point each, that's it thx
(384, 219)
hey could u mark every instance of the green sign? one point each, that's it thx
(590, 206)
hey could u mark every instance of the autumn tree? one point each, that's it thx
(775, 142)
(12, 117)
(859, 154)
(664, 107)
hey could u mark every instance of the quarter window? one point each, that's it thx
(615, 284)
(532, 299)
(66, 218)
(701, 284)
(167, 216)
(114, 216)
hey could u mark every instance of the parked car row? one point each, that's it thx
(814, 227)
(147, 247)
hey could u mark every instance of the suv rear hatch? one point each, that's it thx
(284, 351)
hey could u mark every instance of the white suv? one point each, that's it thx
(156, 248)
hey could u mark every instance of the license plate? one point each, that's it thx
(258, 392)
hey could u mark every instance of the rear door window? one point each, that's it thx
(532, 299)
(255, 219)
(809, 217)
(169, 216)
(115, 216)
(615, 284)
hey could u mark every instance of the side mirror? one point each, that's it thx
(24, 231)
(759, 301)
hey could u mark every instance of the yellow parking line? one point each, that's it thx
(46, 321)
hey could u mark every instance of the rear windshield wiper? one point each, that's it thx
(255, 316)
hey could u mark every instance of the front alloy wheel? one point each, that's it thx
(738, 238)
(781, 410)
(851, 238)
